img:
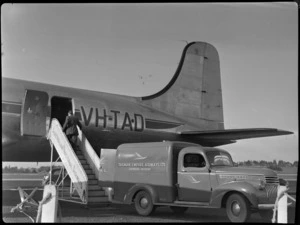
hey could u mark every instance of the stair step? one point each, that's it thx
(94, 187)
(92, 200)
(94, 181)
(80, 157)
(91, 176)
(70, 199)
(65, 192)
(89, 171)
(83, 161)
(92, 193)
(96, 193)
(86, 166)
(97, 199)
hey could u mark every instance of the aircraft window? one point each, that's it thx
(194, 160)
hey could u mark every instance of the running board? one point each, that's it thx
(187, 204)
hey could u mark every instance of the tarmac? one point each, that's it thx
(109, 213)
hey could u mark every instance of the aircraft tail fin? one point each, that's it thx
(194, 93)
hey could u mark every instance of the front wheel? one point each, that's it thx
(143, 203)
(237, 208)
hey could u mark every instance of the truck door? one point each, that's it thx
(34, 112)
(193, 177)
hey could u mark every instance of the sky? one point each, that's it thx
(134, 49)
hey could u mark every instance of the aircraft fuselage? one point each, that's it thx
(108, 120)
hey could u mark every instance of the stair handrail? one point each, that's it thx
(69, 159)
(89, 153)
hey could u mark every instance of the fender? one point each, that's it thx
(140, 187)
(245, 188)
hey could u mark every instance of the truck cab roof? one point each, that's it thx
(207, 149)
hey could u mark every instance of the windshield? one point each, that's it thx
(218, 158)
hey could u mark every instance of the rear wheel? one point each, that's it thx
(178, 210)
(237, 208)
(143, 203)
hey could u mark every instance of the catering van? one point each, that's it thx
(183, 175)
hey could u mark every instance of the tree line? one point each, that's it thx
(274, 165)
(15, 169)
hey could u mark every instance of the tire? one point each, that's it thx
(143, 203)
(178, 210)
(266, 215)
(237, 208)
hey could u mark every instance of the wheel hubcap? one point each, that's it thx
(236, 208)
(144, 202)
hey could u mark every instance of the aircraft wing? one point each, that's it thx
(222, 137)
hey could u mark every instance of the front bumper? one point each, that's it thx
(270, 206)
(266, 206)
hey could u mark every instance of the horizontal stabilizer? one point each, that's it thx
(220, 137)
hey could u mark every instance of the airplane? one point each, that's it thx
(189, 108)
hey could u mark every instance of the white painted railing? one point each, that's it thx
(281, 205)
(47, 211)
(89, 153)
(69, 159)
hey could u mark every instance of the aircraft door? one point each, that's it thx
(34, 112)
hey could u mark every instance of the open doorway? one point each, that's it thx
(60, 107)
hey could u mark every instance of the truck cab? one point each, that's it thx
(183, 175)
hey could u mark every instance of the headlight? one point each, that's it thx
(262, 184)
(283, 182)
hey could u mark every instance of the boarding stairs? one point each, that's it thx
(81, 166)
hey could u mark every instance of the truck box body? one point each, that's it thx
(182, 175)
(147, 163)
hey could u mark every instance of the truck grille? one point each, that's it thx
(271, 192)
(272, 180)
